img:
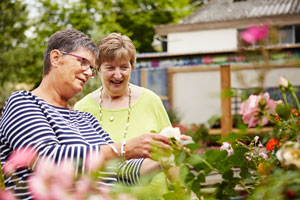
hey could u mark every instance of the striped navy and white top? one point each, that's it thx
(57, 133)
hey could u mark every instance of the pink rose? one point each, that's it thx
(252, 109)
(249, 110)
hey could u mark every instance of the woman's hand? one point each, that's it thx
(144, 145)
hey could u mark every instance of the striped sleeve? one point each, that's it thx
(129, 171)
(23, 124)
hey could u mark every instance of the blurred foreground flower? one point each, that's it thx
(255, 33)
(272, 144)
(7, 195)
(53, 181)
(289, 154)
(19, 159)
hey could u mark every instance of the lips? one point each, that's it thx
(82, 80)
(116, 82)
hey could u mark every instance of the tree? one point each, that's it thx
(137, 18)
(21, 52)
(13, 18)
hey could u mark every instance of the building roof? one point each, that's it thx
(237, 14)
(224, 10)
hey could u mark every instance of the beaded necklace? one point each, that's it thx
(127, 123)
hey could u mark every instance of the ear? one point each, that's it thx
(55, 56)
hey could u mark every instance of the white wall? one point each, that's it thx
(206, 40)
(196, 95)
(272, 77)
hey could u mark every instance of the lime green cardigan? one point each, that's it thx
(148, 115)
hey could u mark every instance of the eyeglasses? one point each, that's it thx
(85, 64)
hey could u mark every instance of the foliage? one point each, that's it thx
(137, 18)
(13, 24)
(23, 38)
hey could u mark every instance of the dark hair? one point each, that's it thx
(115, 46)
(68, 40)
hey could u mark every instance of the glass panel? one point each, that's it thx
(157, 81)
(286, 35)
(136, 77)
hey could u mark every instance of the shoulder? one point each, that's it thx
(21, 97)
(151, 96)
(17, 106)
(143, 92)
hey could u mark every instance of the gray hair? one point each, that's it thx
(68, 40)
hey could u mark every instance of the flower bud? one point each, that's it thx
(283, 82)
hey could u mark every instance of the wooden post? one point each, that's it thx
(144, 78)
(226, 120)
(170, 88)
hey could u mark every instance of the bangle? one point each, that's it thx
(123, 149)
(114, 149)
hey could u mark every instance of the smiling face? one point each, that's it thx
(115, 76)
(71, 75)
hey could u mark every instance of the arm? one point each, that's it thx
(26, 122)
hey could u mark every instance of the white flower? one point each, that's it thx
(256, 138)
(283, 82)
(167, 162)
(170, 132)
(227, 147)
(289, 154)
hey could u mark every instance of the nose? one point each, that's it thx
(117, 74)
(88, 73)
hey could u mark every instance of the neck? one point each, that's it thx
(49, 93)
(110, 97)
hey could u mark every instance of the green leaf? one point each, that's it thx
(228, 174)
(196, 187)
(283, 111)
(214, 155)
(193, 146)
(231, 137)
(186, 177)
(180, 157)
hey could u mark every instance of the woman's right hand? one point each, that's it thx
(144, 145)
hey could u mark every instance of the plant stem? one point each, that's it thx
(244, 186)
(284, 98)
(296, 99)
(203, 160)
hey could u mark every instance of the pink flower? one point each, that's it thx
(255, 33)
(227, 147)
(254, 106)
(52, 181)
(7, 195)
(94, 161)
(21, 158)
(256, 138)
(262, 154)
